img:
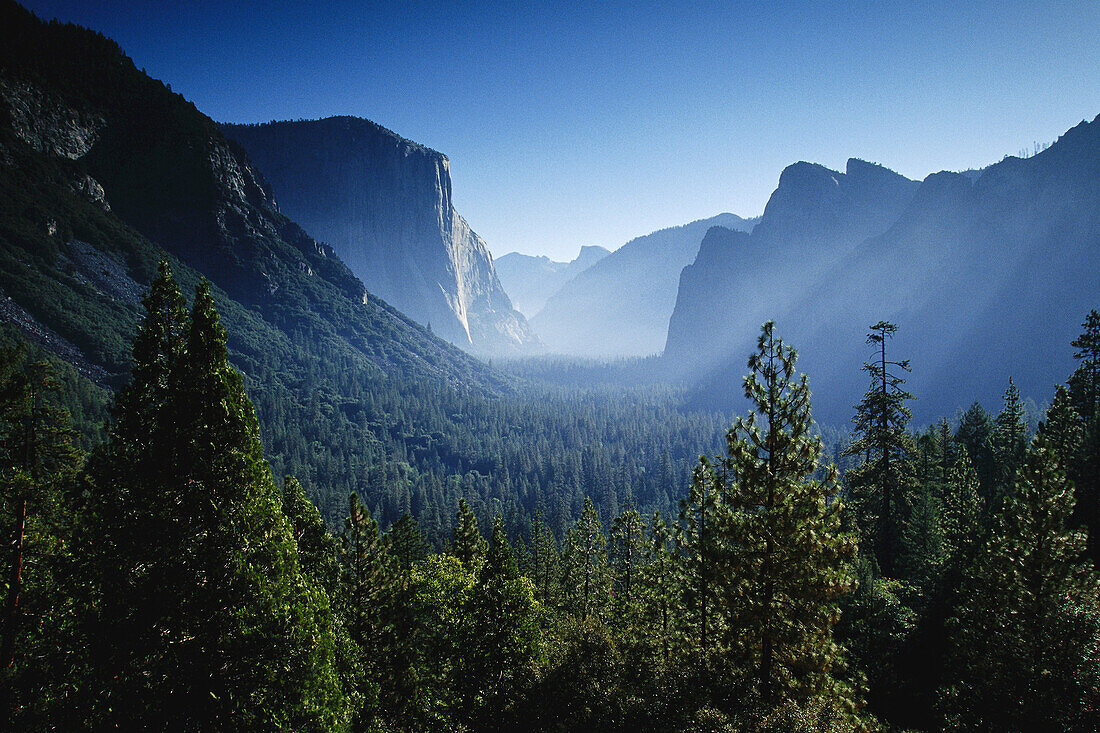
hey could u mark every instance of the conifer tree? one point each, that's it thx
(786, 560)
(881, 488)
(627, 552)
(1009, 442)
(545, 562)
(503, 612)
(660, 576)
(1084, 389)
(1028, 624)
(700, 554)
(199, 616)
(38, 465)
(961, 513)
(467, 544)
(586, 578)
(975, 433)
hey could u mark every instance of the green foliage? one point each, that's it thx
(881, 487)
(786, 562)
(1027, 624)
(196, 607)
(467, 543)
(586, 577)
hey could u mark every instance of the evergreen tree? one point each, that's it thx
(660, 577)
(627, 552)
(1084, 389)
(545, 562)
(1009, 443)
(503, 644)
(700, 553)
(38, 464)
(199, 616)
(467, 544)
(1027, 627)
(975, 433)
(786, 562)
(881, 488)
(586, 577)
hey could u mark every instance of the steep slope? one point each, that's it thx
(620, 306)
(384, 204)
(987, 277)
(531, 281)
(104, 171)
(815, 217)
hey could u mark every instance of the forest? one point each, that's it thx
(158, 576)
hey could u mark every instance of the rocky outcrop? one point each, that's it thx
(987, 277)
(384, 204)
(621, 305)
(815, 217)
(531, 281)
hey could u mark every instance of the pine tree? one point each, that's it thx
(660, 578)
(467, 543)
(1084, 389)
(586, 577)
(961, 513)
(503, 643)
(1027, 628)
(367, 588)
(700, 554)
(38, 465)
(975, 433)
(786, 560)
(1009, 443)
(545, 562)
(881, 488)
(199, 616)
(626, 555)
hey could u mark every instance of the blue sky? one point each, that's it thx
(570, 125)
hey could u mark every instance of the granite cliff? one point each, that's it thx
(814, 218)
(988, 276)
(384, 204)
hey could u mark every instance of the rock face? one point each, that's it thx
(384, 204)
(814, 218)
(531, 281)
(987, 277)
(621, 305)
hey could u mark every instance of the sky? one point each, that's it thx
(572, 124)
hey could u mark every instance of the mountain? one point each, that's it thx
(384, 204)
(532, 280)
(987, 277)
(814, 218)
(620, 306)
(104, 172)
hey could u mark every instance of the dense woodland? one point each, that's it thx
(157, 574)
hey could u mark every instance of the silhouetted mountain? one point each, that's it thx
(621, 305)
(815, 217)
(987, 277)
(530, 281)
(384, 204)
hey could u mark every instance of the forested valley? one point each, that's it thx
(160, 577)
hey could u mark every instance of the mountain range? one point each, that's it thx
(621, 305)
(987, 275)
(532, 280)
